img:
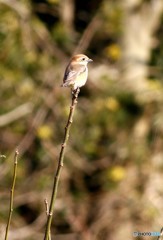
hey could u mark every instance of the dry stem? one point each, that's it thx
(12, 194)
(47, 212)
(60, 163)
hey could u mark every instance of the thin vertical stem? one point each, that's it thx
(47, 212)
(12, 193)
(60, 162)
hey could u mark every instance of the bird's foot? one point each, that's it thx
(75, 92)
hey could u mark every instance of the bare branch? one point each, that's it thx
(12, 194)
(60, 163)
(47, 212)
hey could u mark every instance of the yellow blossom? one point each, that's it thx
(117, 173)
(113, 51)
(112, 104)
(44, 132)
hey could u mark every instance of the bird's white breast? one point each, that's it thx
(81, 79)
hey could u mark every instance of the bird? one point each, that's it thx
(76, 72)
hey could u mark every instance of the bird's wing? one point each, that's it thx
(72, 73)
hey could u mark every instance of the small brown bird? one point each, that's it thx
(76, 73)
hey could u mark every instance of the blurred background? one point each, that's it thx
(111, 184)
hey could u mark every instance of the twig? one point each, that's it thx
(60, 162)
(47, 212)
(12, 193)
(46, 206)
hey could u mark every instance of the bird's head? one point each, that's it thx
(81, 59)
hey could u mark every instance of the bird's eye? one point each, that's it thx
(83, 59)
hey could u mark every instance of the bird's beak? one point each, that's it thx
(90, 60)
